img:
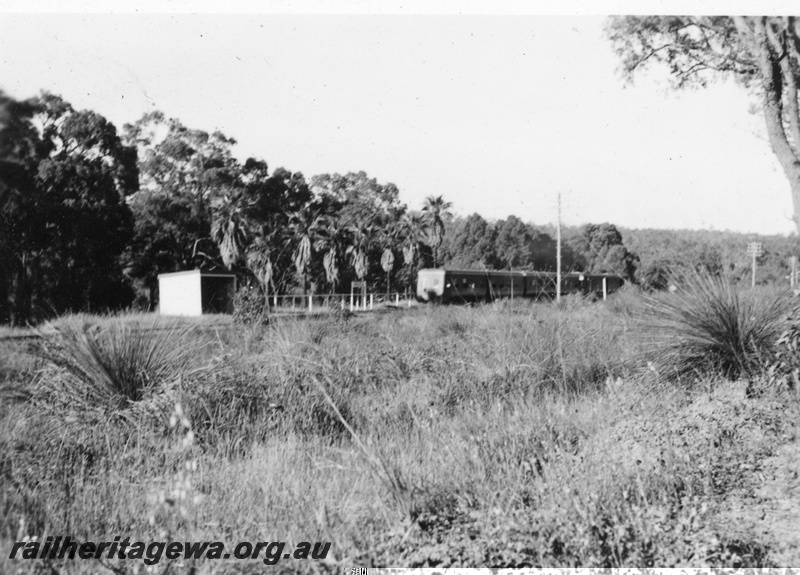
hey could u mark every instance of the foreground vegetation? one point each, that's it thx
(505, 435)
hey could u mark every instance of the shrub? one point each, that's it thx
(785, 369)
(113, 364)
(250, 307)
(708, 326)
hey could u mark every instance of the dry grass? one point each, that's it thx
(506, 435)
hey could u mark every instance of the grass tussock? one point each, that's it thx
(115, 363)
(711, 327)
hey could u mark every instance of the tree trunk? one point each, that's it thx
(772, 82)
(22, 296)
(5, 309)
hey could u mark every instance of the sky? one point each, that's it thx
(497, 110)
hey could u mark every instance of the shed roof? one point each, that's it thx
(200, 273)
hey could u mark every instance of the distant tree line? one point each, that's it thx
(90, 217)
(663, 252)
(511, 244)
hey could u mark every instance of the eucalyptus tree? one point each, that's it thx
(603, 251)
(435, 211)
(183, 171)
(65, 183)
(761, 53)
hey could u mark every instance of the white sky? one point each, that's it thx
(498, 113)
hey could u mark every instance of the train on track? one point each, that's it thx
(461, 286)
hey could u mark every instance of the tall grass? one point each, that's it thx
(709, 326)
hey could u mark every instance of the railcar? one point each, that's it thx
(451, 286)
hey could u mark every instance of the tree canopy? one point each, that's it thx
(761, 53)
(65, 219)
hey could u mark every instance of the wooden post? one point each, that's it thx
(370, 301)
(605, 288)
(310, 303)
(754, 249)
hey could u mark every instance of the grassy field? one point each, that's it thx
(631, 432)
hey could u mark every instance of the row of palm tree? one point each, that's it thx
(257, 245)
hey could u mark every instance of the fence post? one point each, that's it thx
(310, 303)
(370, 301)
(605, 289)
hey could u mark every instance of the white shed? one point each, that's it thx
(196, 292)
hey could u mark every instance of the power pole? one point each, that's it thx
(558, 251)
(754, 249)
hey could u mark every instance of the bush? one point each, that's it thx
(785, 369)
(113, 364)
(709, 327)
(250, 307)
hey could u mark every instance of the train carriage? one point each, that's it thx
(448, 286)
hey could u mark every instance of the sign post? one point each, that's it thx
(755, 250)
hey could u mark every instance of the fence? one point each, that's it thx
(318, 303)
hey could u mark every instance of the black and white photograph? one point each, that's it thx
(360, 287)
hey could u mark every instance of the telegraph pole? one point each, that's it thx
(754, 249)
(558, 251)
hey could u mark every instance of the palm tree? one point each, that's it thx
(389, 237)
(261, 254)
(259, 261)
(334, 237)
(435, 211)
(304, 225)
(229, 229)
(359, 249)
(412, 226)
